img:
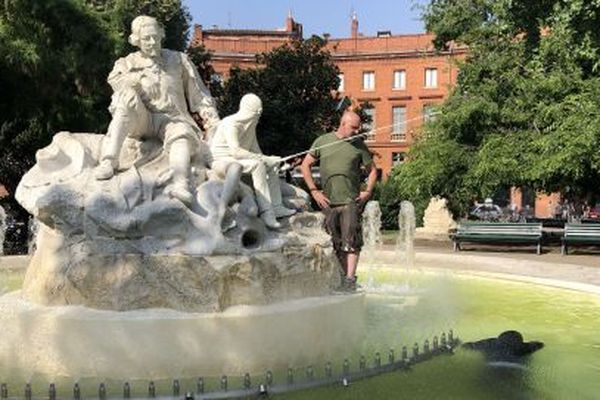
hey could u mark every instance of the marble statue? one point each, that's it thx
(145, 216)
(235, 150)
(153, 90)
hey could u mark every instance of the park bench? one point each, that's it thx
(498, 232)
(580, 234)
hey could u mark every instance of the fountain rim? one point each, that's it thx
(538, 272)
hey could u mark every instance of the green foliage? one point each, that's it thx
(174, 17)
(56, 55)
(295, 82)
(201, 59)
(525, 109)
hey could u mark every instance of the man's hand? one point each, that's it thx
(363, 196)
(271, 161)
(320, 198)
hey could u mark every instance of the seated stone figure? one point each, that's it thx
(153, 90)
(236, 151)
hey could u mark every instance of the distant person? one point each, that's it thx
(340, 197)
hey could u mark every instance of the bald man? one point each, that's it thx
(342, 160)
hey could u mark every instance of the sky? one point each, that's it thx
(316, 16)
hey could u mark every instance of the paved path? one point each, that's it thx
(579, 271)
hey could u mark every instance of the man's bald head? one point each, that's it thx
(350, 117)
(349, 124)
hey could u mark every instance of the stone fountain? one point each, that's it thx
(151, 239)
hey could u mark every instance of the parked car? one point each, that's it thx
(594, 212)
(488, 211)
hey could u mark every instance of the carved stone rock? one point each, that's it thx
(437, 221)
(63, 276)
(124, 244)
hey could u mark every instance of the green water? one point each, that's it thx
(404, 308)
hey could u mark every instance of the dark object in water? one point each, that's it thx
(508, 346)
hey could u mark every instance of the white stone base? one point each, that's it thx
(77, 342)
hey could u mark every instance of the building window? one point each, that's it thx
(429, 113)
(398, 158)
(398, 124)
(369, 127)
(341, 85)
(399, 80)
(430, 77)
(369, 80)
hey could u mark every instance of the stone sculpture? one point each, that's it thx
(137, 218)
(437, 221)
(236, 151)
(153, 90)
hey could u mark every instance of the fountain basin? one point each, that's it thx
(79, 342)
(478, 296)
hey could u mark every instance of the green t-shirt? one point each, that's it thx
(339, 163)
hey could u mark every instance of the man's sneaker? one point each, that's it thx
(281, 211)
(348, 285)
(104, 170)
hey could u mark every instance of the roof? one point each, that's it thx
(384, 44)
(247, 32)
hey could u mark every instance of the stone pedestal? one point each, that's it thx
(64, 272)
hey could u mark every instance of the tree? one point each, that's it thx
(201, 59)
(56, 55)
(296, 83)
(119, 14)
(525, 108)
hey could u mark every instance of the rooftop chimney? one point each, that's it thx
(354, 26)
(289, 22)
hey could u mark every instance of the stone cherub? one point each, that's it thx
(155, 90)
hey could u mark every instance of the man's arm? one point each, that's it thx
(316, 194)
(371, 181)
(231, 133)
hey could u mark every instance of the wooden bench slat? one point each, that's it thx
(497, 232)
(579, 234)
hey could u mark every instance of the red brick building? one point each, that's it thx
(239, 47)
(400, 75)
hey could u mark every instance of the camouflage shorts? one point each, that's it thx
(343, 223)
